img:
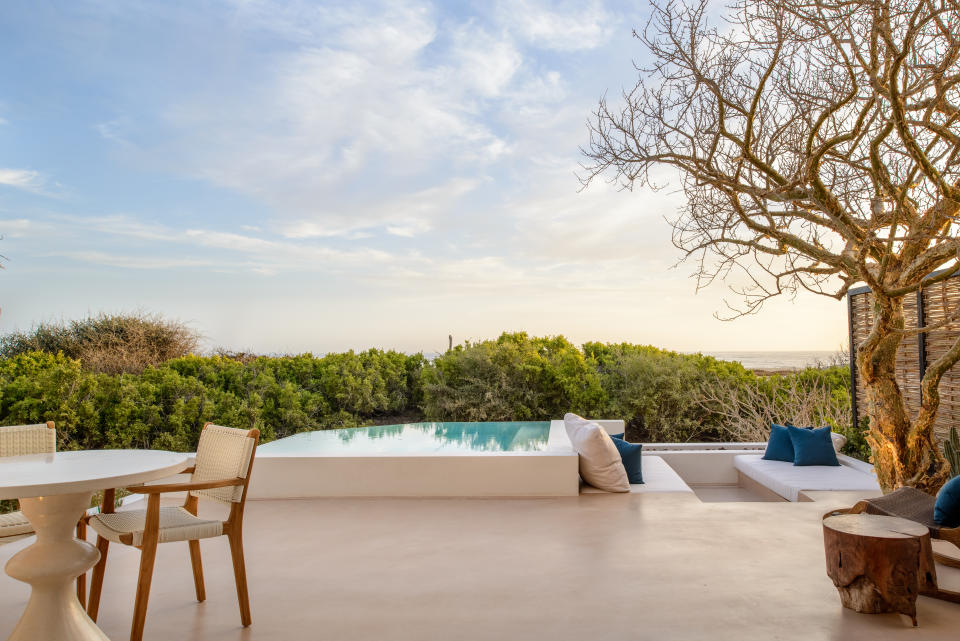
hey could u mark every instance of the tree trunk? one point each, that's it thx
(904, 450)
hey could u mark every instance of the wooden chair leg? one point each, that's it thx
(197, 570)
(148, 556)
(96, 579)
(240, 574)
(82, 579)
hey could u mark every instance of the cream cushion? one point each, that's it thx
(600, 462)
(176, 524)
(13, 524)
(839, 440)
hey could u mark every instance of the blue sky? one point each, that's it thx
(303, 176)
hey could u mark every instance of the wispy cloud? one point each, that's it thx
(18, 227)
(567, 26)
(26, 179)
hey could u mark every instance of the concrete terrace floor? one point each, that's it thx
(617, 567)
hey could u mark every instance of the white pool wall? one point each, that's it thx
(552, 471)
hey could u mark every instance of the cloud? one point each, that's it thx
(25, 179)
(565, 27)
(17, 227)
(484, 62)
(136, 262)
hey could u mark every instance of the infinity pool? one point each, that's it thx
(420, 459)
(415, 438)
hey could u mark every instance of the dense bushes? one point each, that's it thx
(165, 406)
(122, 343)
(514, 378)
(658, 392)
(663, 396)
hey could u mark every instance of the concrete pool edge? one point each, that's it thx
(552, 471)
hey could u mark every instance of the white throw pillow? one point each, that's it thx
(839, 440)
(600, 462)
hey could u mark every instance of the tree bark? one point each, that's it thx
(904, 451)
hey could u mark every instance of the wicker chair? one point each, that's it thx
(18, 440)
(912, 504)
(221, 473)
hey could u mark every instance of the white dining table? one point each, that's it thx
(54, 491)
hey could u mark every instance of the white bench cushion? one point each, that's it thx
(658, 476)
(788, 480)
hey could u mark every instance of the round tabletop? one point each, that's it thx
(875, 525)
(84, 471)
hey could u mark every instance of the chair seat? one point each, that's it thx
(14, 524)
(176, 524)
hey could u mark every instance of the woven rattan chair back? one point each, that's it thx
(18, 440)
(223, 452)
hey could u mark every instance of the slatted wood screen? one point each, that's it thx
(928, 307)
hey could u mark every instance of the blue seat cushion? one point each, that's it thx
(779, 445)
(632, 456)
(812, 447)
(946, 511)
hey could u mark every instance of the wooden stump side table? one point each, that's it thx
(879, 563)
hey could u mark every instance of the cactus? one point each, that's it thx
(951, 450)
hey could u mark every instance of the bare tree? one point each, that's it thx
(819, 147)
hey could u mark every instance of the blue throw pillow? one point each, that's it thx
(946, 512)
(619, 436)
(779, 446)
(632, 456)
(813, 447)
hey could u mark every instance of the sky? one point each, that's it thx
(320, 176)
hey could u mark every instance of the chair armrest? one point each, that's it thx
(184, 487)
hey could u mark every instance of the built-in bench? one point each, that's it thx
(789, 481)
(658, 476)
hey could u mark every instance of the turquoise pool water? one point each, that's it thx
(415, 438)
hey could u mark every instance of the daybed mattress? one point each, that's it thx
(788, 480)
(658, 476)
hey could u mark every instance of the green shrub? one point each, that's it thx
(514, 378)
(663, 395)
(657, 392)
(166, 406)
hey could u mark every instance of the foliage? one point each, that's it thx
(811, 397)
(125, 343)
(654, 390)
(661, 394)
(515, 377)
(951, 451)
(166, 406)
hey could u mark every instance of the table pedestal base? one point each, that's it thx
(51, 566)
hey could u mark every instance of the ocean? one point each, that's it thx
(779, 360)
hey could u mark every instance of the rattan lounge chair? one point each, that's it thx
(222, 473)
(912, 504)
(19, 440)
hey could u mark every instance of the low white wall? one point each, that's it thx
(504, 474)
(702, 467)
